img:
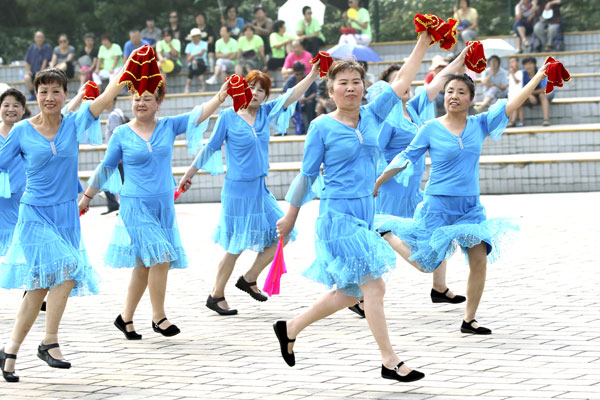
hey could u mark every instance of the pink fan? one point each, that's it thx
(272, 283)
(178, 193)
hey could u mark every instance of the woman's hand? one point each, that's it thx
(84, 204)
(315, 70)
(376, 189)
(185, 182)
(284, 226)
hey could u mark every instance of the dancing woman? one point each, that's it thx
(46, 255)
(351, 256)
(451, 214)
(249, 211)
(146, 237)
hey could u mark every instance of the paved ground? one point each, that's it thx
(541, 301)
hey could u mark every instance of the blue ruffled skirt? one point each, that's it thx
(9, 213)
(249, 215)
(441, 224)
(349, 252)
(399, 200)
(47, 250)
(146, 234)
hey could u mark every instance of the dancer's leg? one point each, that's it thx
(55, 307)
(401, 248)
(476, 281)
(226, 266)
(137, 287)
(157, 286)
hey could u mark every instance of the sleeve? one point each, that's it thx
(303, 188)
(218, 46)
(118, 51)
(383, 104)
(8, 151)
(87, 127)
(494, 121)
(210, 158)
(421, 104)
(179, 123)
(194, 135)
(410, 156)
(363, 16)
(47, 52)
(288, 61)
(385, 134)
(28, 55)
(107, 177)
(278, 116)
(188, 49)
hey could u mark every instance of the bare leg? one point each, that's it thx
(439, 280)
(476, 281)
(157, 286)
(223, 274)
(202, 82)
(55, 307)
(137, 287)
(401, 248)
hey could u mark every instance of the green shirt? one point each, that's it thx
(164, 48)
(244, 44)
(311, 28)
(230, 47)
(107, 57)
(363, 16)
(274, 39)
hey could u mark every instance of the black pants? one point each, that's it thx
(312, 45)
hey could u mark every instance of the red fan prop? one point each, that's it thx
(556, 73)
(475, 57)
(142, 73)
(273, 281)
(441, 32)
(91, 91)
(239, 91)
(81, 212)
(178, 193)
(325, 62)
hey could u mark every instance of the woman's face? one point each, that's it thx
(513, 64)
(51, 98)
(258, 94)
(11, 110)
(106, 43)
(223, 32)
(63, 41)
(249, 33)
(232, 13)
(282, 29)
(353, 3)
(200, 19)
(462, 4)
(348, 89)
(308, 14)
(89, 42)
(457, 97)
(144, 107)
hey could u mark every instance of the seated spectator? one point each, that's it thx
(539, 95)
(231, 20)
(63, 56)
(279, 41)
(298, 54)
(226, 50)
(524, 16)
(109, 61)
(151, 33)
(357, 25)
(437, 65)
(307, 102)
(263, 26)
(495, 81)
(37, 58)
(515, 81)
(135, 42)
(324, 103)
(207, 34)
(178, 32)
(548, 25)
(251, 51)
(309, 31)
(468, 22)
(168, 53)
(195, 54)
(87, 58)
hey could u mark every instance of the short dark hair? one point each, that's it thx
(167, 32)
(277, 25)
(248, 26)
(201, 13)
(529, 60)
(299, 67)
(226, 27)
(17, 94)
(385, 74)
(89, 35)
(51, 75)
(150, 18)
(463, 78)
(106, 36)
(496, 58)
(343, 65)
(304, 9)
(259, 7)
(230, 7)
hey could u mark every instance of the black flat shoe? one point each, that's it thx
(280, 328)
(8, 376)
(212, 303)
(467, 327)
(172, 330)
(439, 297)
(414, 375)
(51, 361)
(247, 287)
(110, 210)
(356, 308)
(122, 326)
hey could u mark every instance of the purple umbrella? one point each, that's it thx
(361, 53)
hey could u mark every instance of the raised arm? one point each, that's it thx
(516, 102)
(409, 70)
(302, 86)
(437, 84)
(211, 106)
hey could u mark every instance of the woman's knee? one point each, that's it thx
(374, 288)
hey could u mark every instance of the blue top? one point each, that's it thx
(16, 171)
(146, 164)
(129, 47)
(50, 165)
(349, 156)
(246, 147)
(454, 159)
(526, 80)
(35, 56)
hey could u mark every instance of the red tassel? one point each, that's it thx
(475, 57)
(441, 32)
(91, 91)
(142, 73)
(556, 73)
(325, 62)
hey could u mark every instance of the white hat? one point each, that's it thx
(437, 61)
(194, 32)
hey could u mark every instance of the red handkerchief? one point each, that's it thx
(239, 91)
(475, 58)
(142, 73)
(441, 32)
(91, 91)
(556, 73)
(326, 62)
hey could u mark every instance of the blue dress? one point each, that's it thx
(9, 207)
(46, 248)
(249, 211)
(146, 233)
(451, 215)
(349, 252)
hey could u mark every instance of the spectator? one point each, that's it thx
(309, 31)
(495, 80)
(63, 56)
(251, 51)
(226, 50)
(195, 53)
(87, 59)
(437, 65)
(168, 52)
(298, 54)
(263, 26)
(524, 15)
(548, 25)
(109, 60)
(324, 103)
(235, 23)
(307, 102)
(279, 41)
(515, 80)
(539, 95)
(357, 25)
(116, 118)
(208, 35)
(151, 33)
(178, 32)
(135, 42)
(37, 58)
(468, 21)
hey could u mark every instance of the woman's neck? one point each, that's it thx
(250, 111)
(348, 116)
(4, 129)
